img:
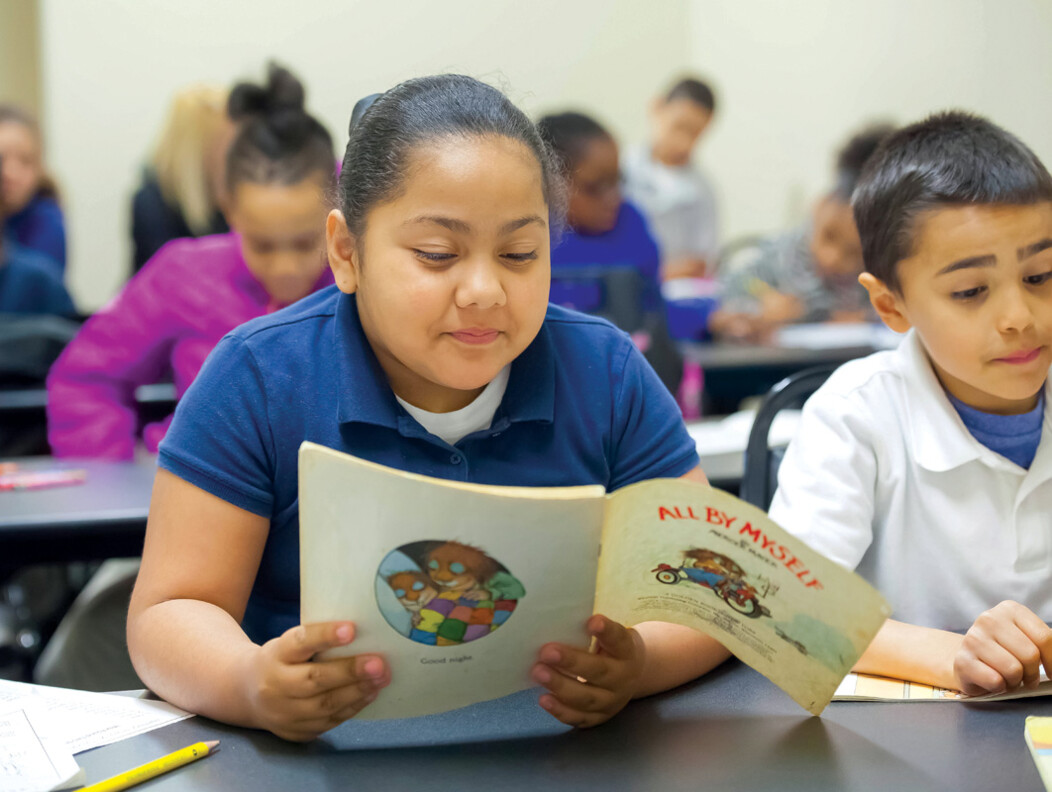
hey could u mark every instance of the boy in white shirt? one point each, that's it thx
(659, 177)
(930, 467)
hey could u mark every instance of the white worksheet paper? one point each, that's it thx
(87, 720)
(29, 762)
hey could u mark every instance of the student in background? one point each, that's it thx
(661, 179)
(438, 353)
(194, 291)
(607, 231)
(604, 229)
(809, 274)
(929, 468)
(34, 219)
(29, 283)
(181, 194)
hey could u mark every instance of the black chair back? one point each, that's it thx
(760, 478)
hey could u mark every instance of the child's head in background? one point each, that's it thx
(447, 197)
(22, 174)
(678, 120)
(835, 246)
(190, 158)
(279, 169)
(955, 218)
(589, 158)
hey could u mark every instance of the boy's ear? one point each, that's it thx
(886, 302)
(343, 252)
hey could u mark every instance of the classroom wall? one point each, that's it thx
(19, 54)
(794, 79)
(797, 78)
(111, 65)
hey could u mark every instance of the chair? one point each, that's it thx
(616, 294)
(28, 346)
(760, 478)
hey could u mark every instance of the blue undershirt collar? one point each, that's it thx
(1015, 437)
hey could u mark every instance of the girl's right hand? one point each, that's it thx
(298, 699)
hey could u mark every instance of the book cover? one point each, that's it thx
(1038, 733)
(459, 585)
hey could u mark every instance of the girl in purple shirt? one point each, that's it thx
(194, 291)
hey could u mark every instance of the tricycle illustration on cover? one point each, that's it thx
(715, 571)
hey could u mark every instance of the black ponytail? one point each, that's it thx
(278, 141)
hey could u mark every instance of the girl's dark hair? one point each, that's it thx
(278, 141)
(568, 135)
(422, 110)
(949, 159)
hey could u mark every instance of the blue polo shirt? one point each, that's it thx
(582, 406)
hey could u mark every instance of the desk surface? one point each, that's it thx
(103, 517)
(795, 345)
(730, 730)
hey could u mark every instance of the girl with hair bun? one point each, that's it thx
(435, 352)
(168, 317)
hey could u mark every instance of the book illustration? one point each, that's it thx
(866, 687)
(445, 593)
(426, 568)
(715, 571)
(1038, 733)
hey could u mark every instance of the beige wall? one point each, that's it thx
(19, 54)
(798, 77)
(794, 79)
(110, 67)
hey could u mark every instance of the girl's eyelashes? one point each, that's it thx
(968, 294)
(521, 258)
(437, 258)
(444, 258)
(1038, 280)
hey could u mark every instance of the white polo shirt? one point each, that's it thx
(884, 477)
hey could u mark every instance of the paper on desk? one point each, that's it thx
(88, 720)
(29, 762)
(731, 434)
(838, 335)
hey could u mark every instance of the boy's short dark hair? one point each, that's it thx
(949, 159)
(695, 90)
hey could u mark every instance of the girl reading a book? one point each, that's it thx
(435, 352)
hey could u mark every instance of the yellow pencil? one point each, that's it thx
(155, 768)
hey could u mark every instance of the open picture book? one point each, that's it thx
(459, 585)
(865, 687)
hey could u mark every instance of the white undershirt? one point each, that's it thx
(452, 426)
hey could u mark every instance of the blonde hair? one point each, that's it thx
(195, 118)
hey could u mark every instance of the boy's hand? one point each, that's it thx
(1004, 649)
(297, 699)
(609, 675)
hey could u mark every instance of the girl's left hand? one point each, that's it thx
(587, 688)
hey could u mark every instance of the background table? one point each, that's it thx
(730, 730)
(105, 517)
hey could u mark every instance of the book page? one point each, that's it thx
(457, 585)
(866, 687)
(682, 552)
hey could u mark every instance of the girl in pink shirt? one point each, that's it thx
(194, 291)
